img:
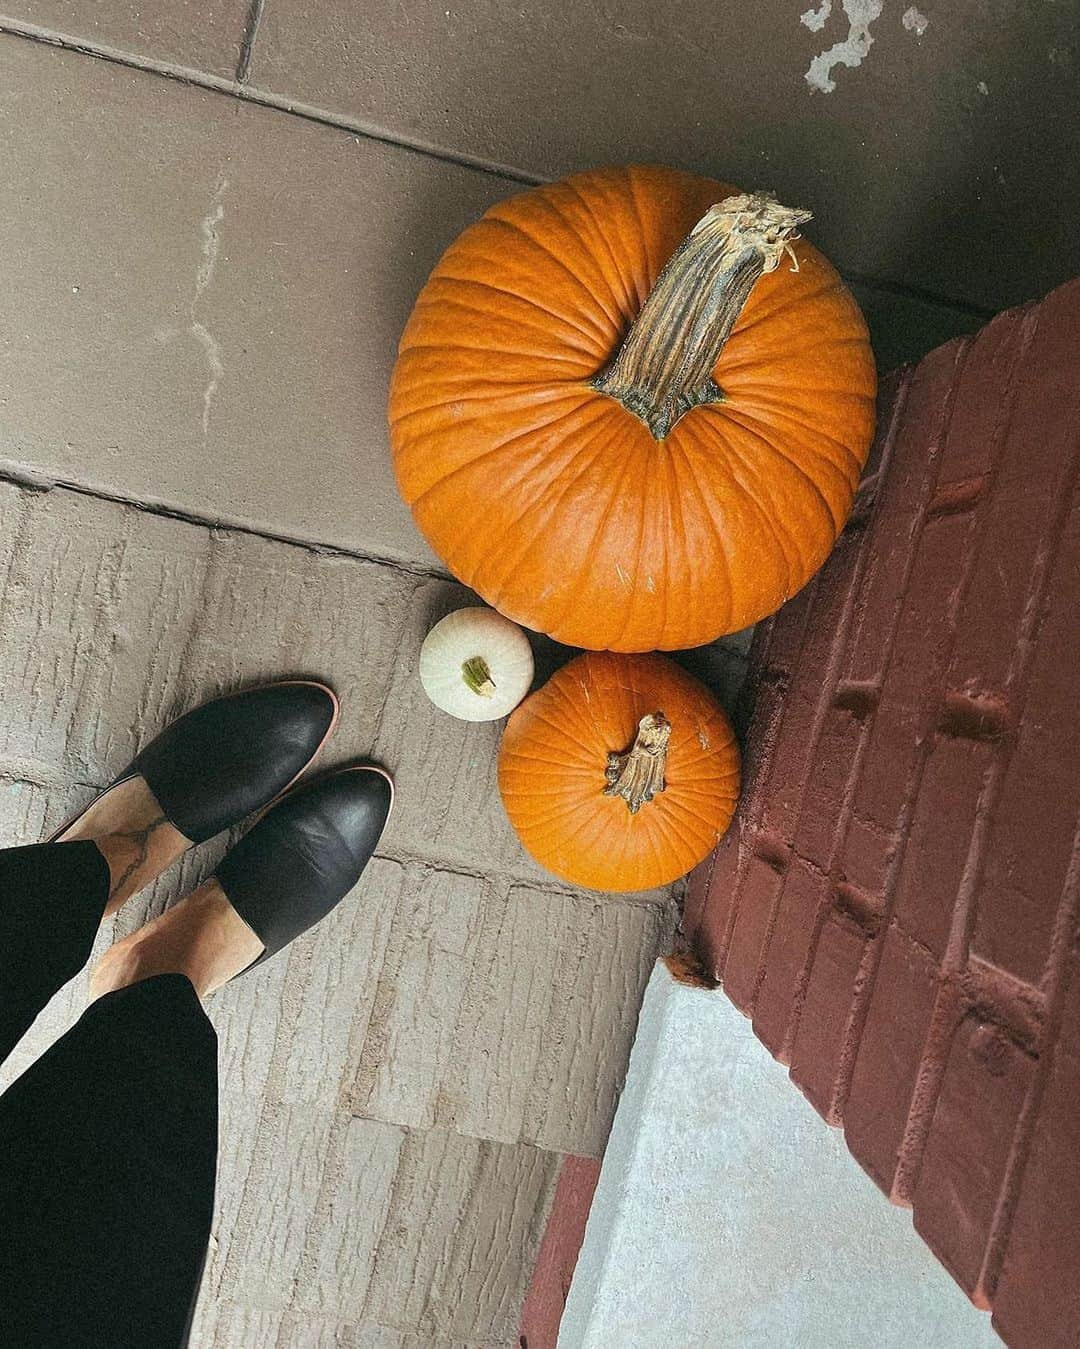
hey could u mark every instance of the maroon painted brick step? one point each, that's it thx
(896, 904)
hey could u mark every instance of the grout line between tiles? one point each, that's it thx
(31, 481)
(262, 97)
(239, 88)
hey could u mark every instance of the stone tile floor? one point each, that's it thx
(399, 1089)
(215, 220)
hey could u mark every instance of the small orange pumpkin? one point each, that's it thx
(621, 773)
(626, 441)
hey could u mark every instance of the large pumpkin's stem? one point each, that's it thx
(664, 367)
(638, 774)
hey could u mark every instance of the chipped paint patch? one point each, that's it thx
(915, 22)
(850, 52)
(816, 19)
(983, 88)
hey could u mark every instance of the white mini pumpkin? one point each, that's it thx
(476, 665)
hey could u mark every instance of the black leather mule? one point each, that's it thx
(230, 757)
(305, 855)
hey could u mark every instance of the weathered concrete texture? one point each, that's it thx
(398, 1087)
(922, 164)
(209, 297)
(725, 1216)
(182, 32)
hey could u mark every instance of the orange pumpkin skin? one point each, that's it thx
(554, 753)
(552, 500)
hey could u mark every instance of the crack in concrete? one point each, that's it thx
(209, 228)
(264, 98)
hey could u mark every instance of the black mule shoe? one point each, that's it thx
(225, 760)
(305, 855)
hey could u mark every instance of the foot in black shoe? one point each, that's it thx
(295, 865)
(203, 773)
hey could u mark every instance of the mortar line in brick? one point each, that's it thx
(931, 1073)
(1054, 976)
(830, 685)
(1057, 985)
(830, 679)
(216, 84)
(247, 44)
(849, 1050)
(748, 815)
(18, 476)
(864, 986)
(965, 909)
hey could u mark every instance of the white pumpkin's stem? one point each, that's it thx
(638, 773)
(664, 366)
(477, 677)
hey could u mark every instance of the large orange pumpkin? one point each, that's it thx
(620, 455)
(621, 773)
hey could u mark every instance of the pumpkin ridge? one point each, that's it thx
(502, 350)
(759, 499)
(684, 831)
(515, 392)
(549, 507)
(778, 411)
(585, 716)
(754, 314)
(528, 542)
(579, 284)
(601, 524)
(811, 483)
(587, 252)
(627, 306)
(631, 607)
(511, 295)
(708, 510)
(492, 450)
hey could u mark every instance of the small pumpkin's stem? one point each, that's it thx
(664, 366)
(638, 773)
(477, 677)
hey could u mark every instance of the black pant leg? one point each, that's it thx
(108, 1152)
(52, 897)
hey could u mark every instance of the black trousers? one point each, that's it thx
(108, 1143)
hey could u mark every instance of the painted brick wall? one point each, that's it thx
(896, 905)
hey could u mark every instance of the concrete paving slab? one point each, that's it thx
(458, 1273)
(329, 1224)
(909, 132)
(209, 297)
(182, 33)
(538, 1017)
(117, 619)
(396, 1088)
(728, 1215)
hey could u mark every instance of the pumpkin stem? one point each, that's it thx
(664, 366)
(477, 677)
(637, 774)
